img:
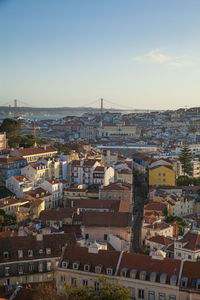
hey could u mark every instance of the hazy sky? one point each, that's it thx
(138, 53)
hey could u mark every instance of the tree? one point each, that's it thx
(186, 160)
(12, 128)
(165, 212)
(107, 291)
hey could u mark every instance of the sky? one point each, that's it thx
(142, 54)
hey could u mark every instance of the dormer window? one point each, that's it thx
(75, 266)
(153, 276)
(163, 278)
(124, 272)
(198, 284)
(143, 275)
(20, 269)
(184, 282)
(87, 268)
(173, 280)
(109, 271)
(48, 250)
(65, 264)
(7, 269)
(133, 273)
(30, 253)
(20, 253)
(98, 269)
(40, 267)
(5, 255)
(41, 251)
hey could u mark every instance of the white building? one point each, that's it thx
(18, 185)
(56, 189)
(188, 248)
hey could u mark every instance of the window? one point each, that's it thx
(40, 267)
(85, 282)
(163, 179)
(105, 237)
(7, 269)
(132, 292)
(161, 296)
(20, 254)
(48, 250)
(124, 272)
(20, 269)
(133, 273)
(159, 174)
(96, 286)
(30, 253)
(151, 295)
(41, 251)
(5, 255)
(87, 236)
(159, 180)
(65, 264)
(163, 174)
(143, 275)
(98, 269)
(109, 271)
(189, 257)
(48, 266)
(75, 266)
(31, 267)
(172, 297)
(74, 281)
(87, 268)
(140, 294)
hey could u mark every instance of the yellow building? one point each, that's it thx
(161, 175)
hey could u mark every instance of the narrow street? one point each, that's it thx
(140, 189)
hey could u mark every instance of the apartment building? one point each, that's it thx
(116, 191)
(11, 166)
(18, 185)
(29, 259)
(33, 154)
(55, 188)
(154, 278)
(36, 172)
(188, 247)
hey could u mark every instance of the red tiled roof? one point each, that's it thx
(191, 270)
(192, 240)
(99, 169)
(32, 151)
(160, 240)
(39, 191)
(21, 178)
(56, 215)
(105, 258)
(117, 186)
(140, 262)
(11, 159)
(159, 225)
(157, 206)
(119, 219)
(112, 205)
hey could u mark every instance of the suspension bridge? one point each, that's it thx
(16, 107)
